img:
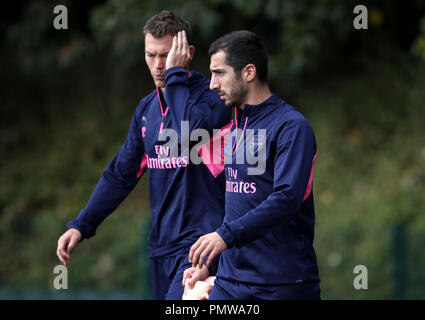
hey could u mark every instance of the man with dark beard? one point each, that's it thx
(266, 239)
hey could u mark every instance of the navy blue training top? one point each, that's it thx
(269, 220)
(186, 199)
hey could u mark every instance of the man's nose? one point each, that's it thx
(214, 84)
(159, 63)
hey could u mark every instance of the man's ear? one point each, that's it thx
(249, 73)
(192, 51)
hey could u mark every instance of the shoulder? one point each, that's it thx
(144, 102)
(289, 120)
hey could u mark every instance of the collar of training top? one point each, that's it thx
(251, 109)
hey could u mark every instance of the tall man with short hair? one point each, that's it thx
(186, 200)
(266, 239)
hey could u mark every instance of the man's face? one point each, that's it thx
(229, 86)
(156, 51)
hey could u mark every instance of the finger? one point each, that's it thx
(185, 43)
(177, 48)
(174, 45)
(193, 249)
(195, 276)
(180, 42)
(205, 253)
(72, 244)
(61, 249)
(61, 259)
(191, 282)
(211, 257)
(186, 274)
(194, 259)
(197, 253)
(62, 256)
(184, 38)
(184, 279)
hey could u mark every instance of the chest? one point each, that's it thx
(250, 153)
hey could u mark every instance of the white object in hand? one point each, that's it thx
(200, 290)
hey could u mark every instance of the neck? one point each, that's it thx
(256, 94)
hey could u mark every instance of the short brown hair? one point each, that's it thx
(166, 22)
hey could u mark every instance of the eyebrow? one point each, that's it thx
(161, 54)
(218, 70)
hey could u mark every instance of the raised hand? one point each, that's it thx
(180, 54)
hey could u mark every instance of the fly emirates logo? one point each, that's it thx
(197, 146)
(164, 161)
(232, 185)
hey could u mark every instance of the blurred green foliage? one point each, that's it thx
(68, 97)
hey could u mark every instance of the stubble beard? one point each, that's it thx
(237, 94)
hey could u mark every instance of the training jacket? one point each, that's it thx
(269, 220)
(186, 200)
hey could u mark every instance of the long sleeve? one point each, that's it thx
(206, 111)
(295, 154)
(118, 179)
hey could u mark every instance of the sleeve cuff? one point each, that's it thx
(84, 229)
(227, 235)
(175, 75)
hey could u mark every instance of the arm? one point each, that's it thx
(208, 112)
(118, 179)
(295, 153)
(183, 108)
